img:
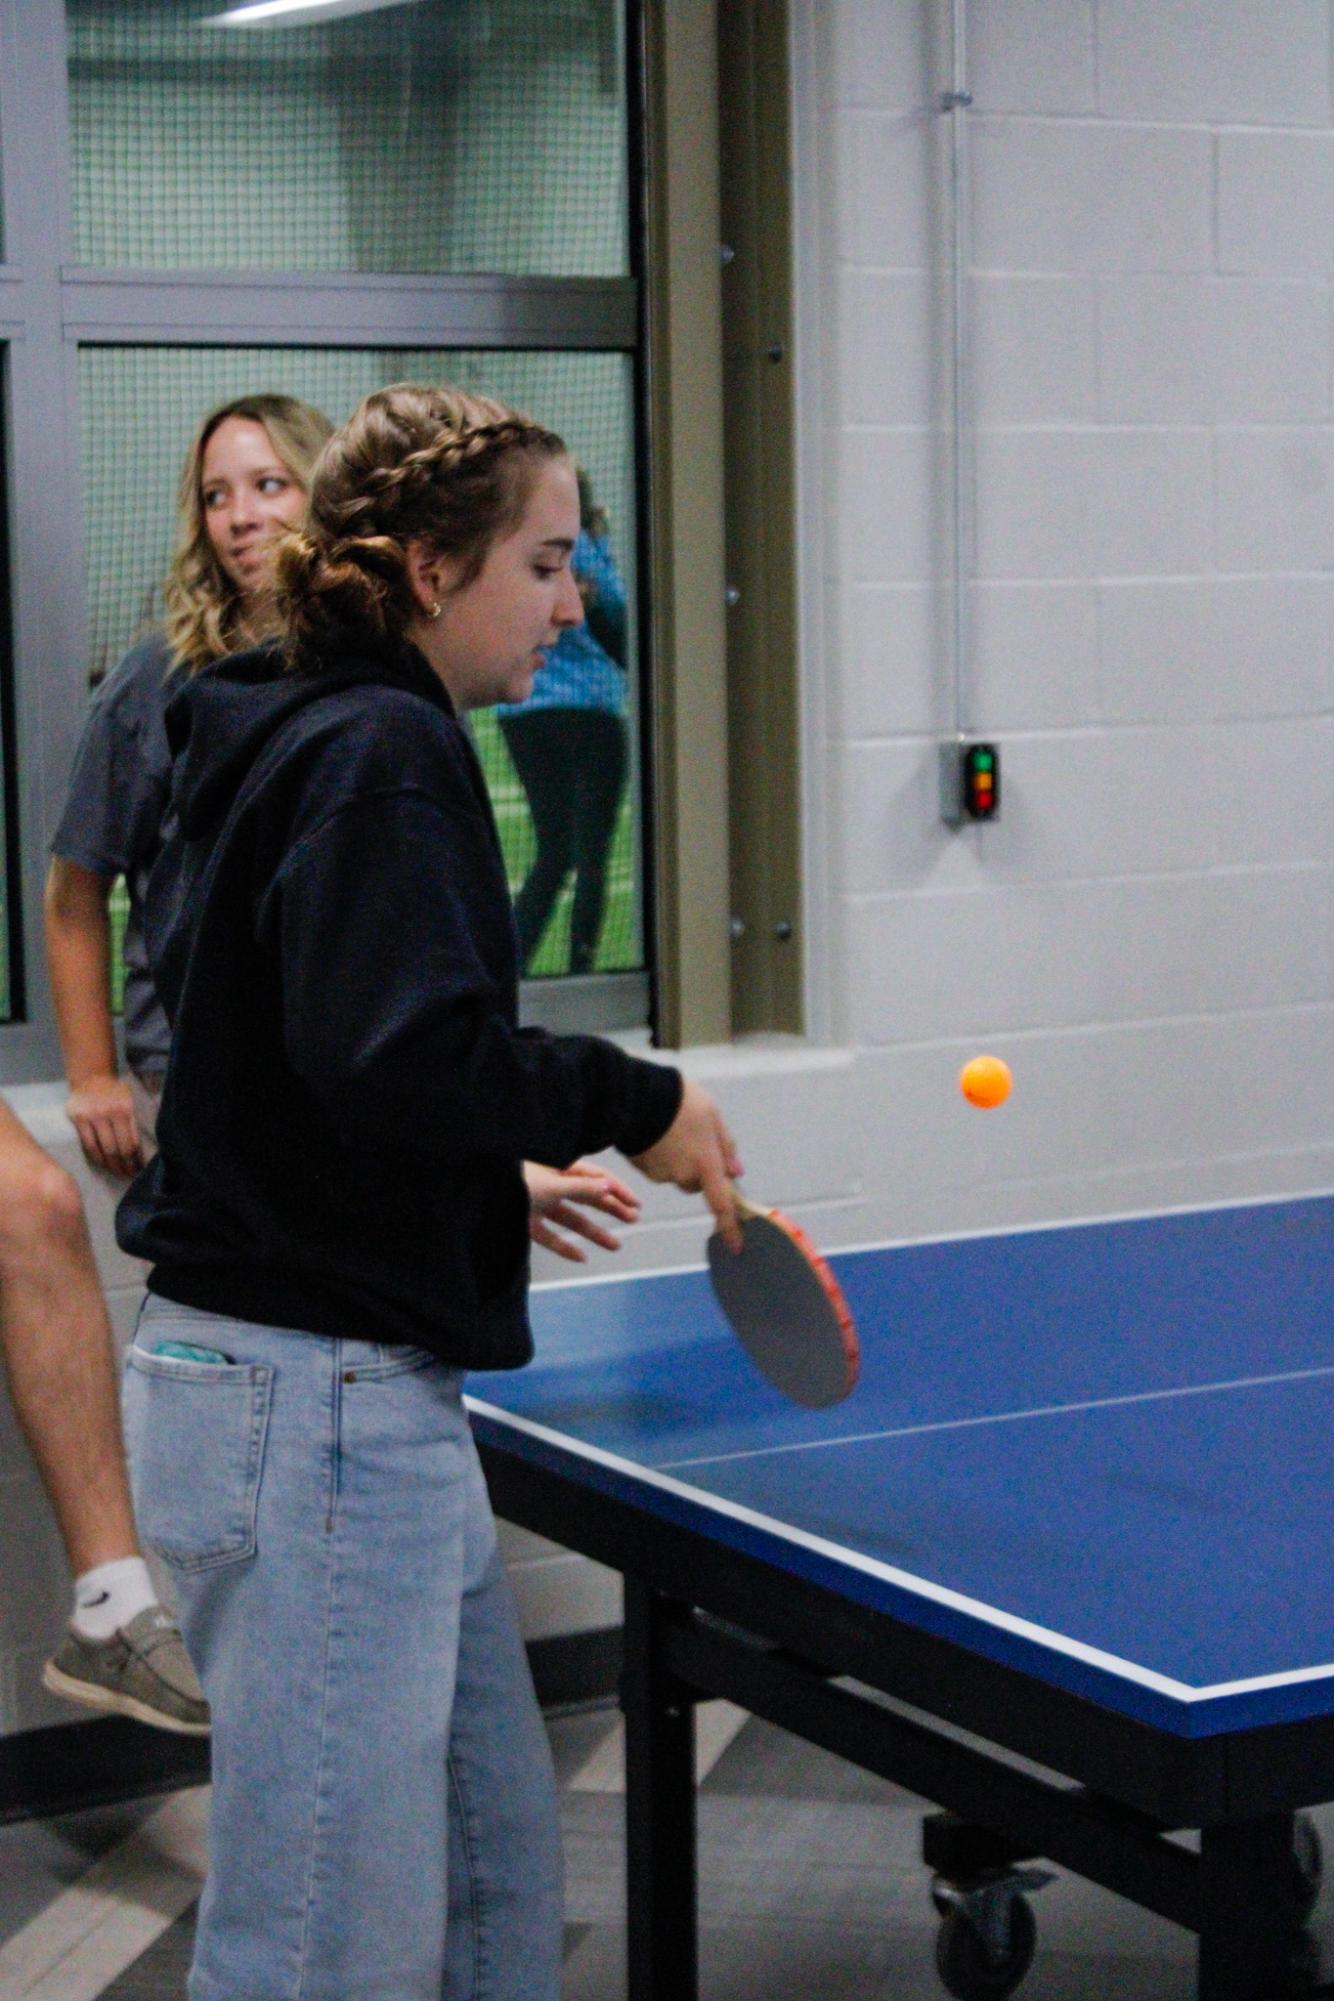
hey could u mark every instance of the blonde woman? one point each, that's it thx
(244, 480)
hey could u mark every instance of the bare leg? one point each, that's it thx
(56, 1341)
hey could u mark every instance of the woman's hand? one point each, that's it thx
(101, 1110)
(561, 1199)
(698, 1154)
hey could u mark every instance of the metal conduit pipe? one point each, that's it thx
(957, 101)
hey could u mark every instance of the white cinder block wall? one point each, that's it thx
(1146, 935)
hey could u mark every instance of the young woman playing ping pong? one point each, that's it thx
(335, 1245)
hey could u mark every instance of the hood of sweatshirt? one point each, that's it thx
(224, 718)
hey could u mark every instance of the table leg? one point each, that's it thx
(1248, 1916)
(661, 1907)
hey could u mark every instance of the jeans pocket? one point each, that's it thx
(196, 1432)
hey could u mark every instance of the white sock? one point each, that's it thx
(110, 1596)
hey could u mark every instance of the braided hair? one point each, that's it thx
(437, 466)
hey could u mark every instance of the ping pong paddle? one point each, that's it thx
(786, 1307)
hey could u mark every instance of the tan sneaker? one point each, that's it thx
(142, 1671)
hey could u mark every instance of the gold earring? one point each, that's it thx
(436, 609)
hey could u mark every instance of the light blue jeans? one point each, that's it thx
(384, 1823)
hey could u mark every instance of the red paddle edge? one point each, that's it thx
(833, 1292)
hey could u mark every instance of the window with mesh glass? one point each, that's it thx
(414, 136)
(139, 409)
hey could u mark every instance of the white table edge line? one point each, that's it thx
(992, 1615)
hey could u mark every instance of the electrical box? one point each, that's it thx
(969, 781)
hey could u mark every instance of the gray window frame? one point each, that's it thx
(50, 307)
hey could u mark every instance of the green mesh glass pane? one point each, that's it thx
(119, 910)
(139, 409)
(6, 911)
(428, 136)
(5, 1004)
(6, 998)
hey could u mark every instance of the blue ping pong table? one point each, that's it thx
(1078, 1514)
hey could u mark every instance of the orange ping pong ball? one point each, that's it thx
(986, 1081)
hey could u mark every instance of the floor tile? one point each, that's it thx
(40, 1857)
(811, 1886)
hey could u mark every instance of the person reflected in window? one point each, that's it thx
(243, 481)
(569, 746)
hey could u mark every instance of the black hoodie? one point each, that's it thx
(348, 1097)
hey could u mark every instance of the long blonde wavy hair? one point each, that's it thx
(204, 610)
(439, 466)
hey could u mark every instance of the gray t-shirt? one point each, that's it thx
(112, 823)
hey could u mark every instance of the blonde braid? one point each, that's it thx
(389, 487)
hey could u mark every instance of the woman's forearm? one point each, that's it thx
(78, 950)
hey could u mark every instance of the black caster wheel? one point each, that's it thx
(967, 1966)
(1307, 1866)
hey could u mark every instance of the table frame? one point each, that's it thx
(704, 1620)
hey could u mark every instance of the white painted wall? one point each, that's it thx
(1147, 934)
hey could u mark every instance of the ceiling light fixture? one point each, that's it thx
(293, 13)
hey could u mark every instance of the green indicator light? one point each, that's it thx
(982, 760)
